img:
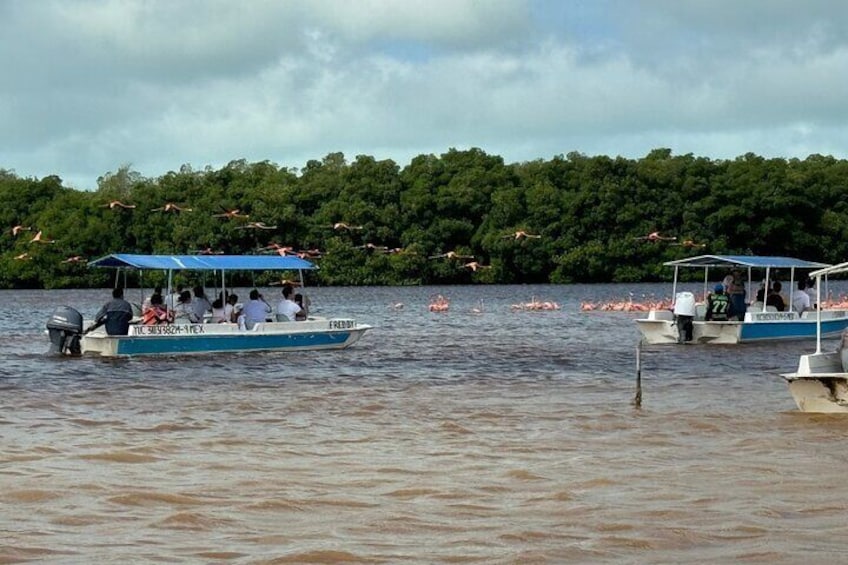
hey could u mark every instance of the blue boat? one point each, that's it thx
(315, 333)
(760, 323)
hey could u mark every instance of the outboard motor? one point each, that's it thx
(684, 313)
(65, 329)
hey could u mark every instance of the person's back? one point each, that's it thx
(200, 304)
(775, 299)
(115, 314)
(256, 309)
(184, 312)
(718, 305)
(287, 309)
(800, 299)
(155, 313)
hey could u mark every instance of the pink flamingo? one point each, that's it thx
(439, 304)
(521, 234)
(171, 207)
(117, 204)
(18, 229)
(37, 238)
(451, 255)
(655, 236)
(230, 214)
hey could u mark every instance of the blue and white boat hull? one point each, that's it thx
(178, 339)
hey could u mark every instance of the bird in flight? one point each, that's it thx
(22, 257)
(521, 234)
(74, 259)
(18, 229)
(474, 265)
(230, 214)
(171, 207)
(344, 226)
(655, 236)
(284, 282)
(279, 249)
(372, 247)
(256, 226)
(451, 255)
(37, 238)
(207, 251)
(117, 204)
(689, 244)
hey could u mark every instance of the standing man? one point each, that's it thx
(735, 291)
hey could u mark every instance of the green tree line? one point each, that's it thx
(585, 217)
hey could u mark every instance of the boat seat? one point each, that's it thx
(771, 309)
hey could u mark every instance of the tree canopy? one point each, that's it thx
(462, 217)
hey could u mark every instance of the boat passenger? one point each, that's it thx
(801, 300)
(116, 314)
(156, 313)
(288, 309)
(775, 299)
(734, 287)
(219, 312)
(184, 312)
(230, 313)
(146, 304)
(303, 302)
(173, 298)
(256, 310)
(718, 305)
(200, 304)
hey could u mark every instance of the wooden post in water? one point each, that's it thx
(637, 400)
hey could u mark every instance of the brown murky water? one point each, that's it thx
(454, 438)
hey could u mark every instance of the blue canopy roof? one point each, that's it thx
(753, 261)
(204, 262)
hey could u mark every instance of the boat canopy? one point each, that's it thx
(203, 262)
(750, 261)
(831, 270)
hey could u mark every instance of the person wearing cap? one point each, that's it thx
(718, 305)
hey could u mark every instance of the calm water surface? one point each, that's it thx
(501, 437)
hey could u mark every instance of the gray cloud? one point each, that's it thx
(91, 85)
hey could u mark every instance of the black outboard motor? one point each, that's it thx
(65, 329)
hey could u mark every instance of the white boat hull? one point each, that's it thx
(177, 339)
(660, 327)
(820, 384)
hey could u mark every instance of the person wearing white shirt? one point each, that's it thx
(287, 309)
(256, 309)
(801, 300)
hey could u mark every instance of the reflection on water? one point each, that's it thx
(493, 437)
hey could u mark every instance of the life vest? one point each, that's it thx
(719, 307)
(154, 315)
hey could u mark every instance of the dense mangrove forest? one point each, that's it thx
(462, 217)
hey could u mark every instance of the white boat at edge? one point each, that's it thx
(820, 384)
(660, 326)
(315, 333)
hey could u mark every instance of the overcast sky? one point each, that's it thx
(87, 86)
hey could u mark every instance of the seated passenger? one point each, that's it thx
(219, 312)
(304, 307)
(288, 309)
(775, 299)
(184, 312)
(156, 313)
(801, 300)
(718, 305)
(256, 310)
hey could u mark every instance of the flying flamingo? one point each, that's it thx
(256, 226)
(22, 257)
(230, 214)
(688, 243)
(451, 255)
(37, 238)
(655, 236)
(344, 226)
(474, 265)
(521, 234)
(372, 247)
(284, 282)
(171, 207)
(18, 229)
(309, 254)
(117, 204)
(207, 251)
(74, 259)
